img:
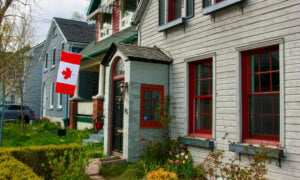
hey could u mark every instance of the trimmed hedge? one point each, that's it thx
(35, 156)
(10, 168)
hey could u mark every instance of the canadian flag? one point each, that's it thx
(67, 73)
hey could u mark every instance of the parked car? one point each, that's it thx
(12, 113)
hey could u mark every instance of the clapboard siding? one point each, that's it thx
(261, 20)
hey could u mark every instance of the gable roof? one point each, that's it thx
(137, 53)
(94, 49)
(76, 31)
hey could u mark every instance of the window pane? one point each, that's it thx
(206, 87)
(254, 83)
(156, 95)
(275, 60)
(276, 125)
(207, 105)
(265, 82)
(190, 8)
(198, 70)
(199, 105)
(147, 95)
(267, 125)
(276, 104)
(161, 12)
(147, 105)
(255, 124)
(147, 115)
(119, 69)
(198, 88)
(265, 62)
(206, 122)
(267, 104)
(206, 72)
(254, 64)
(199, 121)
(275, 81)
(255, 104)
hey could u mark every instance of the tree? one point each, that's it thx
(15, 39)
(77, 16)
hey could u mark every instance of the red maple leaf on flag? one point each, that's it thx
(67, 73)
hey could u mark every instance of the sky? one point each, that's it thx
(45, 10)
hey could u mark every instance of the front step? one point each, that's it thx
(90, 141)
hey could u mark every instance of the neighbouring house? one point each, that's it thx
(231, 68)
(70, 36)
(112, 26)
(33, 82)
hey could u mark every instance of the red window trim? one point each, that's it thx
(150, 123)
(217, 1)
(254, 139)
(198, 133)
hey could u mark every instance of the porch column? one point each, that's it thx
(73, 107)
(99, 98)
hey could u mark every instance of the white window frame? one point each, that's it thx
(53, 59)
(255, 45)
(46, 62)
(187, 86)
(181, 20)
(51, 103)
(59, 100)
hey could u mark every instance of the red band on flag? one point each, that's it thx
(70, 58)
(65, 88)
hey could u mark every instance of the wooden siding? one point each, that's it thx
(116, 19)
(260, 21)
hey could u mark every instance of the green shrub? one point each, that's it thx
(126, 171)
(71, 165)
(35, 156)
(14, 169)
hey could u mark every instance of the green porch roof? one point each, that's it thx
(94, 49)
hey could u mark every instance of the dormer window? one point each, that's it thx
(211, 6)
(128, 8)
(174, 12)
(105, 27)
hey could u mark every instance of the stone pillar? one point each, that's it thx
(73, 107)
(99, 98)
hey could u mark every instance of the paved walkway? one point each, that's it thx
(93, 169)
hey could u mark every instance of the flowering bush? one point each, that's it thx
(161, 174)
(181, 163)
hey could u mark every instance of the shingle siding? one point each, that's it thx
(260, 21)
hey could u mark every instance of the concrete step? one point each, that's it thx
(90, 141)
(101, 131)
(98, 137)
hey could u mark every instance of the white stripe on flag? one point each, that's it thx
(63, 67)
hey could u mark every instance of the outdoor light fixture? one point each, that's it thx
(123, 87)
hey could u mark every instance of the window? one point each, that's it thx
(174, 11)
(105, 25)
(53, 56)
(76, 49)
(59, 100)
(151, 97)
(52, 95)
(260, 94)
(46, 60)
(62, 45)
(210, 6)
(200, 98)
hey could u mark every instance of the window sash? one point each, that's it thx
(53, 56)
(201, 85)
(46, 60)
(261, 89)
(149, 104)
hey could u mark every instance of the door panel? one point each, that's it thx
(117, 126)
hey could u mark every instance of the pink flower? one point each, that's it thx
(177, 161)
(186, 157)
(171, 161)
(170, 152)
(182, 154)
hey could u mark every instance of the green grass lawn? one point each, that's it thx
(126, 171)
(41, 133)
